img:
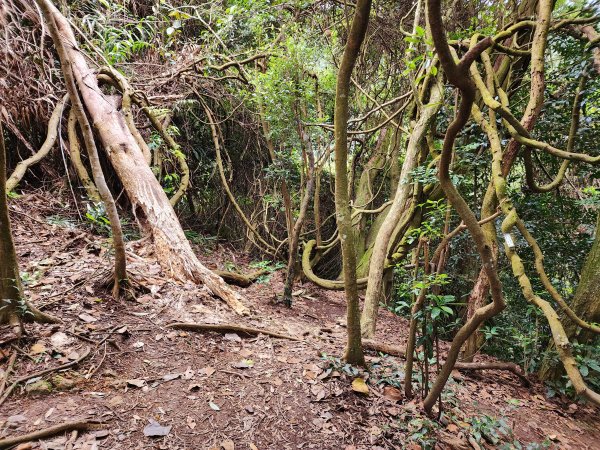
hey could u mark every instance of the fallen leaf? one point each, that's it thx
(188, 374)
(171, 376)
(101, 434)
(191, 423)
(116, 401)
(37, 348)
(359, 385)
(87, 318)
(319, 392)
(452, 428)
(391, 393)
(214, 406)
(207, 371)
(228, 444)
(155, 429)
(244, 364)
(137, 382)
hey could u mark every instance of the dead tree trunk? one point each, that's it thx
(151, 205)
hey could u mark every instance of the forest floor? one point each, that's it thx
(227, 390)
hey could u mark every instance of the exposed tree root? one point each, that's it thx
(41, 373)
(80, 425)
(226, 328)
(239, 279)
(500, 365)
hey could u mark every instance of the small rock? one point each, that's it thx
(154, 429)
(63, 384)
(15, 421)
(39, 387)
(60, 341)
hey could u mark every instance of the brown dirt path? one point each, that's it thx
(225, 390)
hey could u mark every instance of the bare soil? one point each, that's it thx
(227, 390)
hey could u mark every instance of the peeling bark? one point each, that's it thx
(173, 251)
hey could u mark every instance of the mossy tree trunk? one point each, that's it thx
(586, 304)
(358, 29)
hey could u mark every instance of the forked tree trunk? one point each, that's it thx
(120, 271)
(398, 208)
(152, 207)
(295, 236)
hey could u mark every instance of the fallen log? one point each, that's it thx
(239, 279)
(229, 328)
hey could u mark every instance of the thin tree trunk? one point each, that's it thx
(295, 236)
(14, 309)
(354, 353)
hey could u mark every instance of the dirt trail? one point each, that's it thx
(214, 390)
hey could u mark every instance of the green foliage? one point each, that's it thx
(118, 39)
(97, 218)
(196, 238)
(60, 221)
(269, 266)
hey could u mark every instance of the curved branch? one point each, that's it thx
(51, 137)
(215, 135)
(333, 285)
(75, 154)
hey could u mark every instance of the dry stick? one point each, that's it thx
(79, 425)
(41, 373)
(225, 327)
(11, 363)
